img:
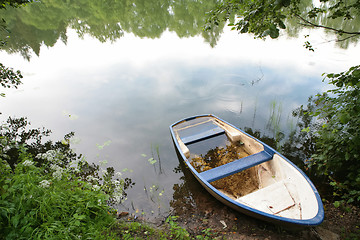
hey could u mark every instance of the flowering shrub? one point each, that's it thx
(35, 205)
(52, 194)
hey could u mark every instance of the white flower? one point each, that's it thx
(96, 187)
(54, 167)
(51, 156)
(90, 178)
(57, 175)
(116, 182)
(58, 171)
(44, 184)
(117, 199)
(28, 163)
(118, 174)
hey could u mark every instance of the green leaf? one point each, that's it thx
(15, 220)
(356, 73)
(282, 25)
(344, 118)
(273, 31)
(306, 129)
(337, 204)
(152, 161)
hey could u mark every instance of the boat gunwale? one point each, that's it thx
(319, 217)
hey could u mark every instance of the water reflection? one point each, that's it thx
(46, 22)
(189, 196)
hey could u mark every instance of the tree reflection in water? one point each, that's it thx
(46, 22)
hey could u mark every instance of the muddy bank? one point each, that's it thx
(228, 224)
(198, 210)
(216, 221)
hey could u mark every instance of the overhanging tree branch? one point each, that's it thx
(307, 23)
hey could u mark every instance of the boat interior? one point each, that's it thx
(245, 170)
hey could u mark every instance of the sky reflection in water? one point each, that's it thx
(130, 91)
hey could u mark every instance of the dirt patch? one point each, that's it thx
(236, 185)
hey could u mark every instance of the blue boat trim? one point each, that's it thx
(215, 131)
(235, 166)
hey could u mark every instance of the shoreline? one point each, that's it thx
(221, 222)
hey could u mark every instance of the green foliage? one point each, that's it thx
(338, 143)
(47, 191)
(262, 18)
(177, 232)
(13, 3)
(131, 229)
(9, 78)
(135, 230)
(3, 5)
(207, 234)
(36, 204)
(268, 18)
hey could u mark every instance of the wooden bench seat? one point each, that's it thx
(235, 166)
(208, 133)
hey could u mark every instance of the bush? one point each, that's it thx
(338, 139)
(39, 205)
(48, 192)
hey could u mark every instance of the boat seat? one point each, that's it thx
(235, 166)
(273, 199)
(213, 131)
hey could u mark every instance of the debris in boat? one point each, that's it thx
(219, 156)
(236, 185)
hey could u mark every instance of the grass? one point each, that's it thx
(170, 230)
(35, 203)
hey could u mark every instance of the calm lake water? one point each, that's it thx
(119, 95)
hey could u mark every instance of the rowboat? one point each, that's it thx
(246, 174)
